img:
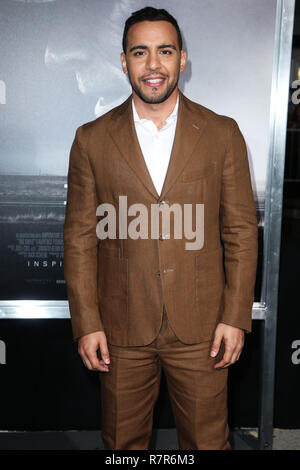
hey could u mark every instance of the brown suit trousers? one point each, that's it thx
(197, 391)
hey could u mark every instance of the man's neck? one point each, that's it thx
(158, 112)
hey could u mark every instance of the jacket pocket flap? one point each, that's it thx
(194, 175)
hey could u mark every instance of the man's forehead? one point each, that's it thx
(159, 25)
(148, 32)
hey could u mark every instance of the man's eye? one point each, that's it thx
(165, 52)
(138, 53)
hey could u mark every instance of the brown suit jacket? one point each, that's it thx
(120, 285)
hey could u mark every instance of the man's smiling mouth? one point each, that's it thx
(154, 82)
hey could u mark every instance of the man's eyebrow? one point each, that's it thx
(139, 46)
(161, 46)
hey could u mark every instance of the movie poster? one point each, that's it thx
(60, 67)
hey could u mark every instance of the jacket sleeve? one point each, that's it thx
(81, 242)
(238, 225)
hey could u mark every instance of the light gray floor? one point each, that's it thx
(162, 439)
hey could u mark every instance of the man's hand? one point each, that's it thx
(234, 341)
(87, 349)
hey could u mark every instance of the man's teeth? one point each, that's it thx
(155, 80)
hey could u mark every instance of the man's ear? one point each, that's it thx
(123, 62)
(182, 60)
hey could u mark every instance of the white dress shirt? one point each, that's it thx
(156, 145)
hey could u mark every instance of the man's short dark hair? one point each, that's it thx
(150, 14)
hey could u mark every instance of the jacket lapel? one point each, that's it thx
(122, 131)
(188, 131)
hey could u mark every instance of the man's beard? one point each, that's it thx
(153, 99)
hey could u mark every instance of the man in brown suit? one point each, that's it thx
(142, 304)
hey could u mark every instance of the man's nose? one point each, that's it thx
(64, 54)
(64, 47)
(153, 60)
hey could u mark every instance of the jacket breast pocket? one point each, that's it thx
(188, 176)
(210, 283)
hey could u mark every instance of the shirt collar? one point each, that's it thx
(170, 118)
